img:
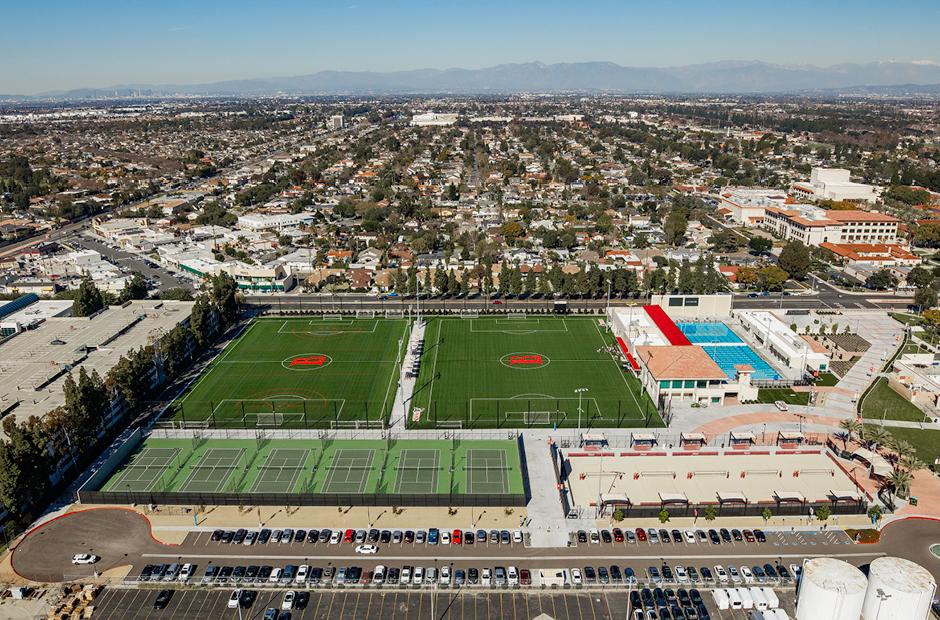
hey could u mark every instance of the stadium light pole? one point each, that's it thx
(580, 391)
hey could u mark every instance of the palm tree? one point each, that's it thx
(876, 436)
(909, 461)
(900, 482)
(851, 426)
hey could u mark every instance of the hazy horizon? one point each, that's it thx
(103, 43)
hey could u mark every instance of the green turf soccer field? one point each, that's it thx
(524, 372)
(299, 372)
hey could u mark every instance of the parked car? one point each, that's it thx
(163, 599)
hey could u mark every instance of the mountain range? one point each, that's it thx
(726, 77)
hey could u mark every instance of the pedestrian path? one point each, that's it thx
(407, 381)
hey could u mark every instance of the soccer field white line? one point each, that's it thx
(326, 328)
(221, 483)
(523, 400)
(619, 370)
(515, 326)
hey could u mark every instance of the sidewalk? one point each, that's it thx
(406, 383)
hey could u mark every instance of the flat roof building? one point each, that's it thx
(833, 184)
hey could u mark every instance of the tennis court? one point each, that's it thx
(143, 472)
(487, 471)
(418, 471)
(213, 471)
(349, 471)
(281, 471)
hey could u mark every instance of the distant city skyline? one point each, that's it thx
(102, 43)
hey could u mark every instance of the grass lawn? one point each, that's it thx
(826, 379)
(519, 372)
(771, 395)
(907, 319)
(300, 372)
(926, 442)
(882, 401)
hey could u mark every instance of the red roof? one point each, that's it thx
(669, 329)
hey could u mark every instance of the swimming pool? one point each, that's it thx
(708, 333)
(728, 356)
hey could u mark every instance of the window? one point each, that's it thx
(691, 301)
(675, 301)
(665, 384)
(677, 383)
(701, 384)
(716, 399)
(690, 383)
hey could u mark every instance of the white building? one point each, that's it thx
(814, 226)
(336, 122)
(834, 184)
(745, 206)
(799, 353)
(279, 221)
(433, 119)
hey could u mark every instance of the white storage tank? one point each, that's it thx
(830, 589)
(898, 588)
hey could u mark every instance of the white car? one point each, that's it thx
(445, 538)
(576, 578)
(335, 537)
(430, 575)
(378, 577)
(405, 576)
(681, 575)
(720, 574)
(512, 576)
(733, 572)
(302, 573)
(418, 577)
(275, 575)
(288, 602)
(782, 406)
(84, 558)
(486, 577)
(186, 572)
(233, 599)
(367, 549)
(747, 575)
(595, 537)
(517, 536)
(445, 576)
(690, 537)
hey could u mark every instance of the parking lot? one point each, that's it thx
(121, 604)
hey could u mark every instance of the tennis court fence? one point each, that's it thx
(87, 496)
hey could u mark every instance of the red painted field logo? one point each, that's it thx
(313, 360)
(530, 359)
(524, 360)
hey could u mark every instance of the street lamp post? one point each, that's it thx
(580, 392)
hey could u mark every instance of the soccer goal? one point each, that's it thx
(277, 419)
(333, 317)
(365, 314)
(394, 314)
(516, 315)
(469, 314)
(536, 418)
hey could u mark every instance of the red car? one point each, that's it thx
(525, 577)
(641, 534)
(456, 537)
(748, 535)
(349, 535)
(497, 302)
(618, 534)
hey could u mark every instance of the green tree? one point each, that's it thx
(760, 245)
(675, 226)
(767, 514)
(618, 514)
(725, 241)
(663, 515)
(771, 278)
(199, 319)
(224, 295)
(88, 299)
(874, 513)
(25, 466)
(795, 259)
(823, 513)
(177, 294)
(881, 280)
(920, 277)
(134, 288)
(925, 298)
(710, 513)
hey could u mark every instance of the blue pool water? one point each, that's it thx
(708, 333)
(727, 356)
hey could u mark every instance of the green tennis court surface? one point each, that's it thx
(332, 467)
(525, 372)
(309, 372)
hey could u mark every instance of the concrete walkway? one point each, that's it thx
(406, 382)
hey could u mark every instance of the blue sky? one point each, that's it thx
(60, 44)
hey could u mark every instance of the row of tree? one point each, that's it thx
(37, 449)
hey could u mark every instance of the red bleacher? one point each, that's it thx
(626, 352)
(669, 329)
